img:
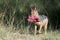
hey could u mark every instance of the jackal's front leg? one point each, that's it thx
(35, 29)
(40, 29)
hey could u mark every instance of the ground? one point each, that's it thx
(8, 34)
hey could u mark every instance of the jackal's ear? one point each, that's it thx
(33, 7)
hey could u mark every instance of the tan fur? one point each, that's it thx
(42, 23)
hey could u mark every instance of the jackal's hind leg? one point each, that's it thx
(46, 29)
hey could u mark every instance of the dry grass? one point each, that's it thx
(8, 33)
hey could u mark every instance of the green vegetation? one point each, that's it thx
(15, 10)
(14, 13)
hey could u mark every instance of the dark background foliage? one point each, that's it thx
(17, 11)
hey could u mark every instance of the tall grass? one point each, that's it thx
(24, 33)
(9, 33)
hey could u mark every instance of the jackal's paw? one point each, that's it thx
(39, 32)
